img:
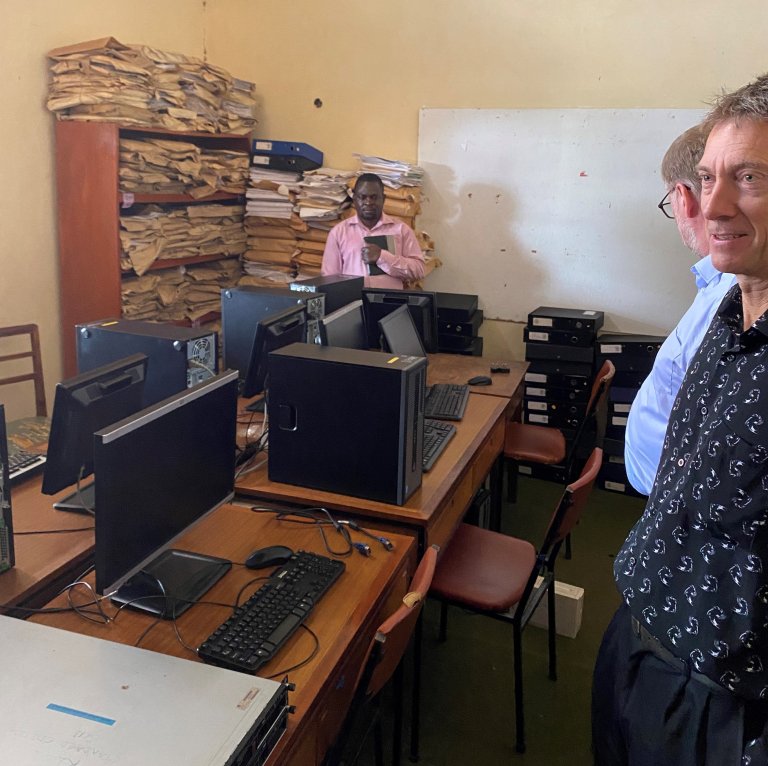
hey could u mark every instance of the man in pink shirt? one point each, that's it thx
(347, 252)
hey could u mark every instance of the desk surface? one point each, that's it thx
(344, 621)
(44, 562)
(451, 483)
(457, 368)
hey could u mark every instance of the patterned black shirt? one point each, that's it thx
(694, 569)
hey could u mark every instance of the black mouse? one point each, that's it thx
(268, 557)
(480, 380)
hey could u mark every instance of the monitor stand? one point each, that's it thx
(82, 500)
(171, 583)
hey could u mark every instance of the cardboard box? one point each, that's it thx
(569, 603)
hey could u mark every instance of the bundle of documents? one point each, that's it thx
(158, 166)
(150, 233)
(106, 80)
(324, 194)
(394, 173)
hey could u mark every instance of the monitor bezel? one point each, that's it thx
(394, 297)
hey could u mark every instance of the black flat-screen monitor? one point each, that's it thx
(273, 331)
(345, 327)
(159, 472)
(7, 558)
(83, 405)
(399, 333)
(377, 303)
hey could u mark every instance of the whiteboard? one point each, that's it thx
(556, 207)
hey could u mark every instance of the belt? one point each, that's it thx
(651, 644)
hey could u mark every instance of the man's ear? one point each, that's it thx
(689, 202)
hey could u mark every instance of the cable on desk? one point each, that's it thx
(306, 660)
(305, 516)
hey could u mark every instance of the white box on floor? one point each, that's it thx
(569, 603)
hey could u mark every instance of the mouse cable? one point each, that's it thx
(386, 543)
(307, 659)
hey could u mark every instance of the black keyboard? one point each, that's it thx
(21, 462)
(436, 437)
(446, 401)
(259, 627)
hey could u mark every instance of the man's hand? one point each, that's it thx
(370, 253)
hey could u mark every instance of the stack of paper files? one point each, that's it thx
(158, 166)
(270, 223)
(133, 84)
(394, 173)
(150, 233)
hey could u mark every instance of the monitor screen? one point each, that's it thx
(158, 472)
(273, 331)
(399, 333)
(345, 327)
(83, 405)
(377, 303)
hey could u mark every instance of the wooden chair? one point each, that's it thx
(33, 353)
(492, 574)
(384, 661)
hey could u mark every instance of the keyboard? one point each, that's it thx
(436, 437)
(21, 462)
(446, 401)
(258, 628)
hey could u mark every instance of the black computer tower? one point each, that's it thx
(339, 289)
(7, 558)
(243, 307)
(346, 421)
(178, 357)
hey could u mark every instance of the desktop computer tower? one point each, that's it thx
(243, 307)
(7, 559)
(178, 357)
(339, 289)
(346, 421)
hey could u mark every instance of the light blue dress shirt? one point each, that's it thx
(650, 410)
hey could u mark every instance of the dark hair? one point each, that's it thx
(369, 178)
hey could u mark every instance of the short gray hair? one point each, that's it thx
(682, 157)
(750, 102)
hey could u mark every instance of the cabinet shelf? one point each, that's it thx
(89, 207)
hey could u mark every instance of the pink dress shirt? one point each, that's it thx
(345, 241)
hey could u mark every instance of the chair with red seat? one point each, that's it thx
(492, 574)
(384, 661)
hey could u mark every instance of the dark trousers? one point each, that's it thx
(649, 710)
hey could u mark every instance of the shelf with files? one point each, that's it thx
(91, 198)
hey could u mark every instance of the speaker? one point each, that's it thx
(346, 420)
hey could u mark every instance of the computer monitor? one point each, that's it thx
(377, 303)
(158, 472)
(83, 405)
(399, 333)
(273, 331)
(7, 558)
(345, 327)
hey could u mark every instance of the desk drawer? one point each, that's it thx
(441, 531)
(487, 454)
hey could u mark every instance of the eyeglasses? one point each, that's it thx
(666, 205)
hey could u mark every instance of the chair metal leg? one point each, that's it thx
(496, 489)
(416, 693)
(568, 546)
(552, 631)
(519, 715)
(378, 740)
(397, 723)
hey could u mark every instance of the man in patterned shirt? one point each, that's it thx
(682, 676)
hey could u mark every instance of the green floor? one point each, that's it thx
(468, 706)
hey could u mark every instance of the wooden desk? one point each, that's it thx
(436, 508)
(344, 621)
(457, 368)
(44, 562)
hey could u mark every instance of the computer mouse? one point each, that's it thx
(480, 380)
(268, 557)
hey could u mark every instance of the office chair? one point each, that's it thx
(384, 661)
(492, 574)
(527, 442)
(33, 353)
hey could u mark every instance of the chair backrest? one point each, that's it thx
(393, 635)
(571, 506)
(33, 353)
(591, 430)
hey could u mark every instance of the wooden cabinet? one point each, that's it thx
(89, 204)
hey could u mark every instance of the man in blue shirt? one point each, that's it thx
(650, 410)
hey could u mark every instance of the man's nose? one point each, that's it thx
(719, 201)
